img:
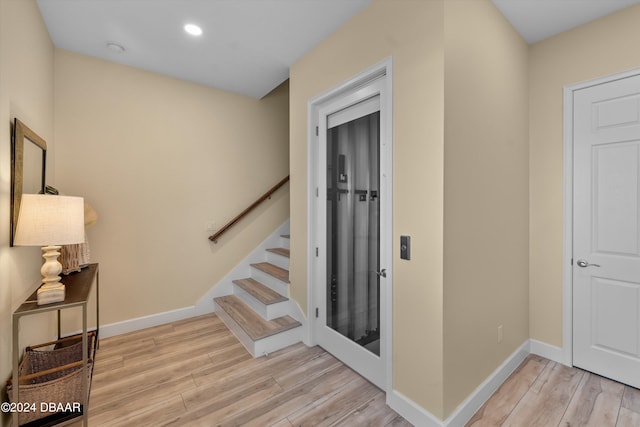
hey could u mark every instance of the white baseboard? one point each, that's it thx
(419, 416)
(403, 405)
(484, 391)
(205, 304)
(296, 312)
(152, 320)
(411, 411)
(547, 351)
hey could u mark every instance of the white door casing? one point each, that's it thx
(372, 82)
(606, 229)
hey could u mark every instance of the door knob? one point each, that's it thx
(582, 263)
(382, 273)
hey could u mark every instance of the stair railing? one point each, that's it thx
(214, 238)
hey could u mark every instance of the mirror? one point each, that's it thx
(28, 167)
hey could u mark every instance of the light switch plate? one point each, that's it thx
(405, 247)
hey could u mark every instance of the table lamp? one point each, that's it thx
(49, 221)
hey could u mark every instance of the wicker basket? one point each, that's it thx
(52, 373)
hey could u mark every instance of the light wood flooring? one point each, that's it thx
(543, 393)
(196, 373)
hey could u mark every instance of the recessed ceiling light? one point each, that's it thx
(193, 29)
(115, 47)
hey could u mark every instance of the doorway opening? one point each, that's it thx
(350, 223)
(601, 292)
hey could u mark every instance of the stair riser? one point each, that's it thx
(279, 260)
(285, 243)
(265, 345)
(276, 342)
(268, 312)
(268, 280)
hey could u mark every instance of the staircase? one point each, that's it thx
(258, 311)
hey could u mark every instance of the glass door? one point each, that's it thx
(349, 320)
(353, 227)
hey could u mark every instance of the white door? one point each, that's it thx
(606, 233)
(351, 205)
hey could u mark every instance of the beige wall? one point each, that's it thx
(26, 92)
(605, 46)
(463, 59)
(152, 155)
(486, 195)
(159, 158)
(410, 31)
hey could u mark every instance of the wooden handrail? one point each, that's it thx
(214, 238)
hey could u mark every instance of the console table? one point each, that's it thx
(77, 288)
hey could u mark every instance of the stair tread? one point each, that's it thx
(275, 271)
(251, 322)
(285, 236)
(262, 293)
(280, 251)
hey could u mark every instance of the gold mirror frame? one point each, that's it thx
(19, 134)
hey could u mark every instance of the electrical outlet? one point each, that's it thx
(499, 334)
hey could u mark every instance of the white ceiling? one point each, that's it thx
(537, 20)
(248, 45)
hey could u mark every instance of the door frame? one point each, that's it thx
(314, 105)
(567, 199)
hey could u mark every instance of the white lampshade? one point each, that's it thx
(46, 220)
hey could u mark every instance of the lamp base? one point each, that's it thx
(50, 293)
(51, 290)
